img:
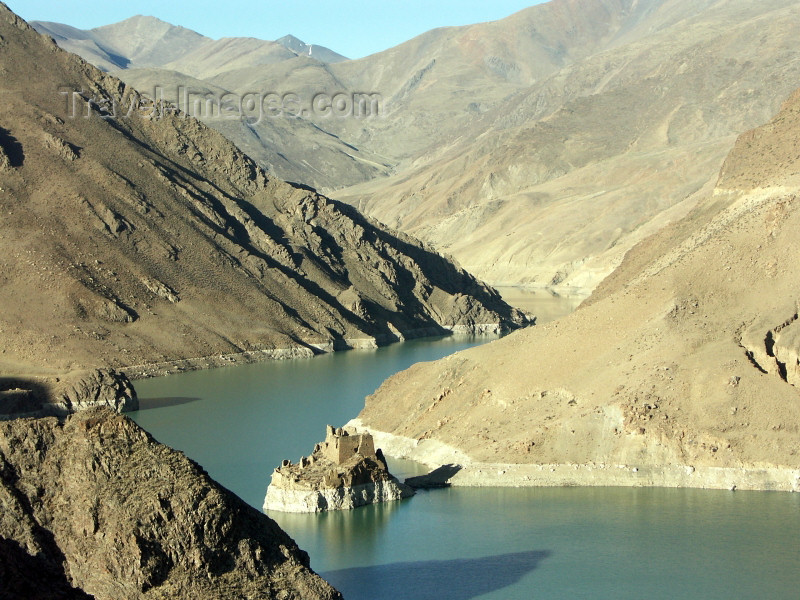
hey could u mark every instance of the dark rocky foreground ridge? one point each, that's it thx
(95, 504)
(138, 240)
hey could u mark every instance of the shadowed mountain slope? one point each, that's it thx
(149, 238)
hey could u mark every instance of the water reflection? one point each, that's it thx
(342, 535)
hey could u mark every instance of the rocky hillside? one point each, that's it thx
(94, 507)
(681, 369)
(551, 182)
(142, 41)
(158, 58)
(148, 237)
(136, 42)
(66, 393)
(536, 149)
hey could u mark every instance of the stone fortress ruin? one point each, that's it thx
(344, 471)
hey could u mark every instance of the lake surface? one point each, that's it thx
(463, 544)
(240, 422)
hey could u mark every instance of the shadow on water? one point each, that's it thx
(463, 578)
(151, 403)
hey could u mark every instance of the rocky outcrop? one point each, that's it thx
(344, 472)
(98, 388)
(97, 506)
(60, 396)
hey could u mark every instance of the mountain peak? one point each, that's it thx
(299, 47)
(290, 39)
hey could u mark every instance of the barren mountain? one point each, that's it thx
(167, 61)
(290, 148)
(136, 42)
(232, 54)
(320, 53)
(681, 369)
(147, 237)
(536, 149)
(142, 41)
(95, 508)
(550, 184)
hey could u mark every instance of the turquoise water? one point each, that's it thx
(460, 544)
(240, 422)
(598, 543)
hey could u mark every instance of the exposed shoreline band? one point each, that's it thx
(434, 454)
(304, 350)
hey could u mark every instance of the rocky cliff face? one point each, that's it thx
(132, 235)
(94, 505)
(681, 368)
(60, 396)
(344, 472)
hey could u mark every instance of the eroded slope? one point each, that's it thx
(94, 503)
(684, 359)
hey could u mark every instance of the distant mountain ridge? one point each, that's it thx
(537, 149)
(149, 53)
(144, 41)
(320, 53)
(139, 41)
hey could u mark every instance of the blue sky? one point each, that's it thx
(350, 28)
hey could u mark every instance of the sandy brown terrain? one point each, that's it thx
(551, 184)
(536, 149)
(684, 360)
(128, 241)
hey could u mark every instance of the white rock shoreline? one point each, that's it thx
(345, 498)
(160, 369)
(434, 454)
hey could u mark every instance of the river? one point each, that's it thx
(462, 544)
